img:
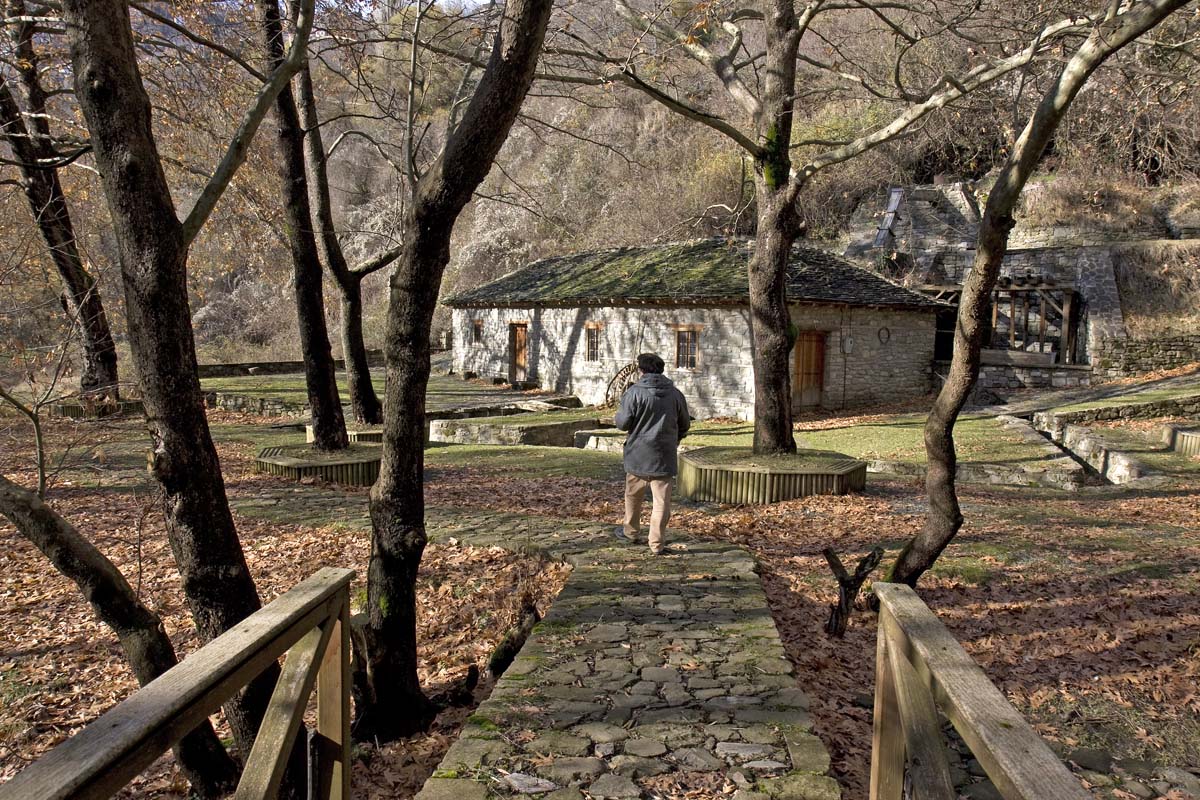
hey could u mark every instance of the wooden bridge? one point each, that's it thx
(920, 668)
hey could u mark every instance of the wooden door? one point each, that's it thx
(808, 382)
(518, 349)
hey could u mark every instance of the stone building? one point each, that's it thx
(576, 323)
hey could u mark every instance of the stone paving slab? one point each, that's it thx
(644, 665)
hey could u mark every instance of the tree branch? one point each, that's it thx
(240, 144)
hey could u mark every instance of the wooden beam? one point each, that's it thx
(1015, 758)
(333, 715)
(273, 744)
(104, 756)
(928, 774)
(887, 742)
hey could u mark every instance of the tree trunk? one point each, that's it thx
(772, 331)
(205, 763)
(944, 517)
(219, 589)
(366, 405)
(397, 501)
(771, 328)
(329, 426)
(33, 144)
(363, 400)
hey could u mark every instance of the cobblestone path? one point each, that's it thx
(643, 666)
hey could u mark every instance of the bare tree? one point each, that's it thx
(28, 135)
(394, 703)
(153, 246)
(363, 400)
(1112, 28)
(329, 426)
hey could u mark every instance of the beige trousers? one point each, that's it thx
(635, 490)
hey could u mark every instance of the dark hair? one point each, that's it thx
(650, 363)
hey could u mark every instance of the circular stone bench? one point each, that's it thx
(358, 465)
(736, 475)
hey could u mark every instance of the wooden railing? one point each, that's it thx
(310, 623)
(920, 667)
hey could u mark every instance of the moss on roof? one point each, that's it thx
(699, 271)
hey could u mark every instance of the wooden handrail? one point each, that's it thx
(919, 662)
(108, 753)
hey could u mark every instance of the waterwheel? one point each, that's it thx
(624, 378)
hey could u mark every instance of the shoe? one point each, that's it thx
(659, 552)
(621, 534)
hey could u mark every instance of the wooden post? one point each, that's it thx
(887, 743)
(333, 713)
(1041, 322)
(995, 318)
(1068, 328)
(1012, 319)
(1025, 298)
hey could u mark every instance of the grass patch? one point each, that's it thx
(978, 438)
(1145, 396)
(526, 462)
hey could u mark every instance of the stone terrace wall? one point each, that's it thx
(1119, 357)
(374, 358)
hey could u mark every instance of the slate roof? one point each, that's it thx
(697, 272)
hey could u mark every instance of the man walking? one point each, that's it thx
(655, 415)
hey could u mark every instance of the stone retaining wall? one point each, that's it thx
(263, 406)
(1119, 357)
(1101, 455)
(1053, 423)
(1007, 377)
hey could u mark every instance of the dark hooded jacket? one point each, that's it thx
(655, 414)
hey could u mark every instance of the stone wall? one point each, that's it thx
(1006, 377)
(374, 358)
(1119, 357)
(890, 352)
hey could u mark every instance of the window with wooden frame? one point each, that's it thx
(687, 348)
(477, 331)
(592, 342)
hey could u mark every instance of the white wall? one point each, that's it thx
(723, 383)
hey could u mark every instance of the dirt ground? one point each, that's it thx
(1083, 607)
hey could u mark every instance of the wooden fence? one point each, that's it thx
(920, 667)
(310, 623)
